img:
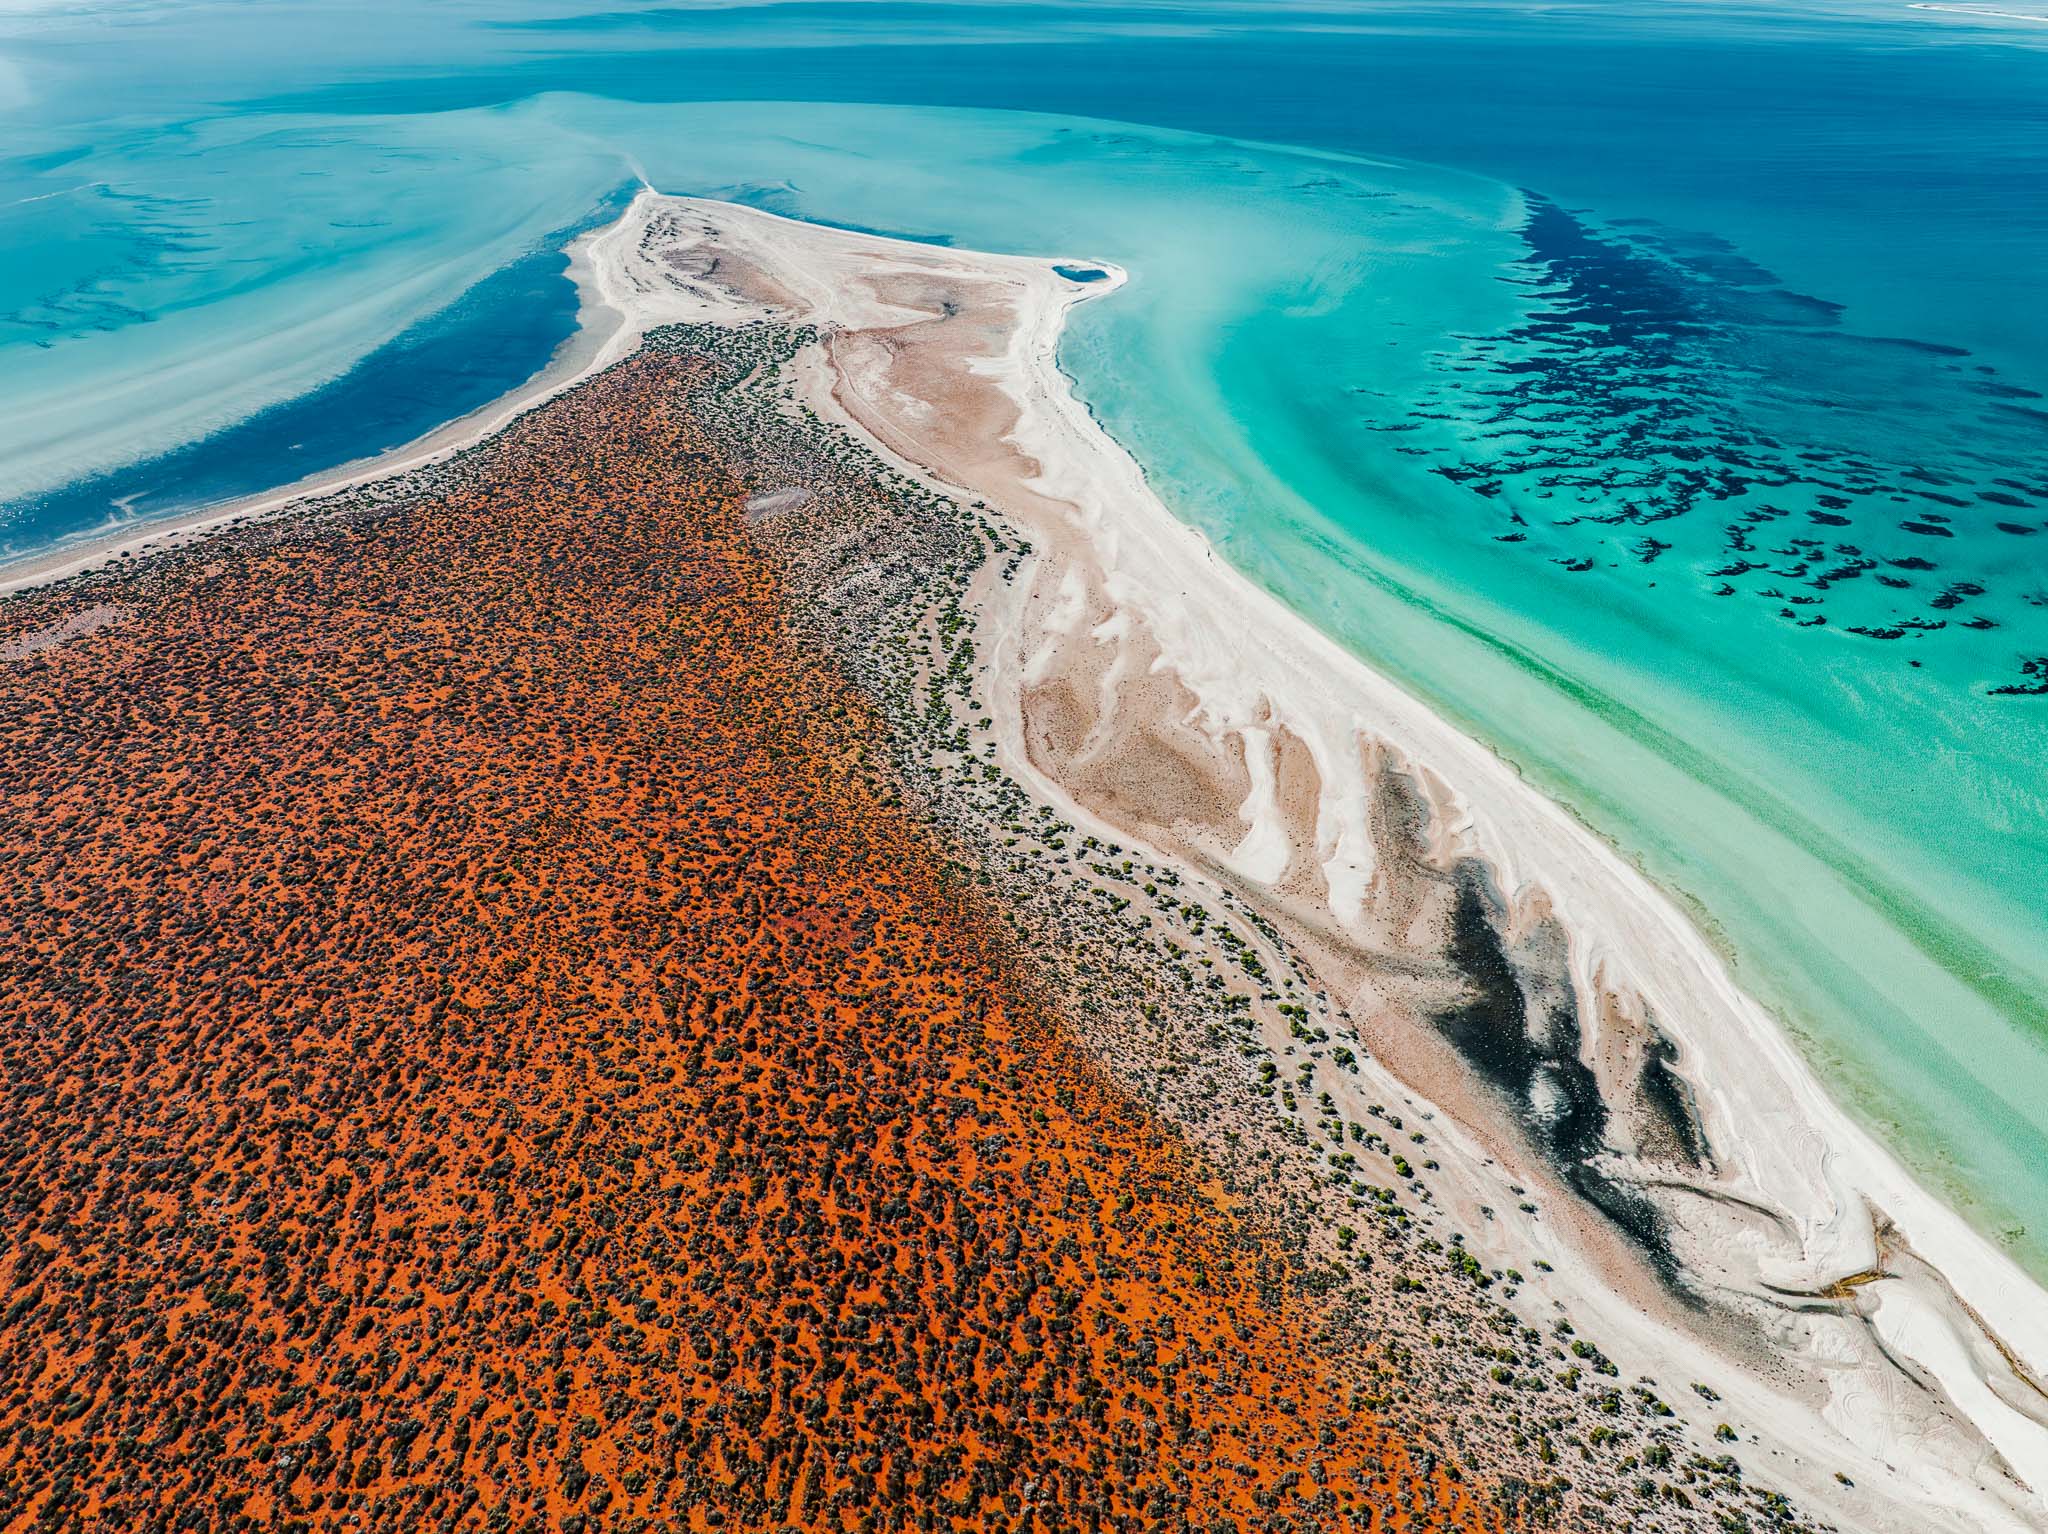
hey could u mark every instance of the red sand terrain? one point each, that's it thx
(482, 1050)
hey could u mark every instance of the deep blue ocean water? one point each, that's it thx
(1657, 388)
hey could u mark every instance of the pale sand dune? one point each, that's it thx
(1153, 692)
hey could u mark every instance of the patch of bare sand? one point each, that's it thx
(87, 620)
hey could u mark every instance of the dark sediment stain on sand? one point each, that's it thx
(1667, 1099)
(1519, 1030)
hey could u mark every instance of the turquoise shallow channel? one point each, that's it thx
(1660, 401)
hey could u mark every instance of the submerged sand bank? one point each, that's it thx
(1153, 692)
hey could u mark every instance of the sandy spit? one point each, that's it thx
(1860, 1329)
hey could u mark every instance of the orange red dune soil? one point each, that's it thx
(480, 1052)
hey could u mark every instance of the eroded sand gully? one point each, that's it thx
(1571, 1031)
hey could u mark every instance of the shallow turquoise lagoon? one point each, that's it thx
(1599, 374)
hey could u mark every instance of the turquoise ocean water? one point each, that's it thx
(1657, 389)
